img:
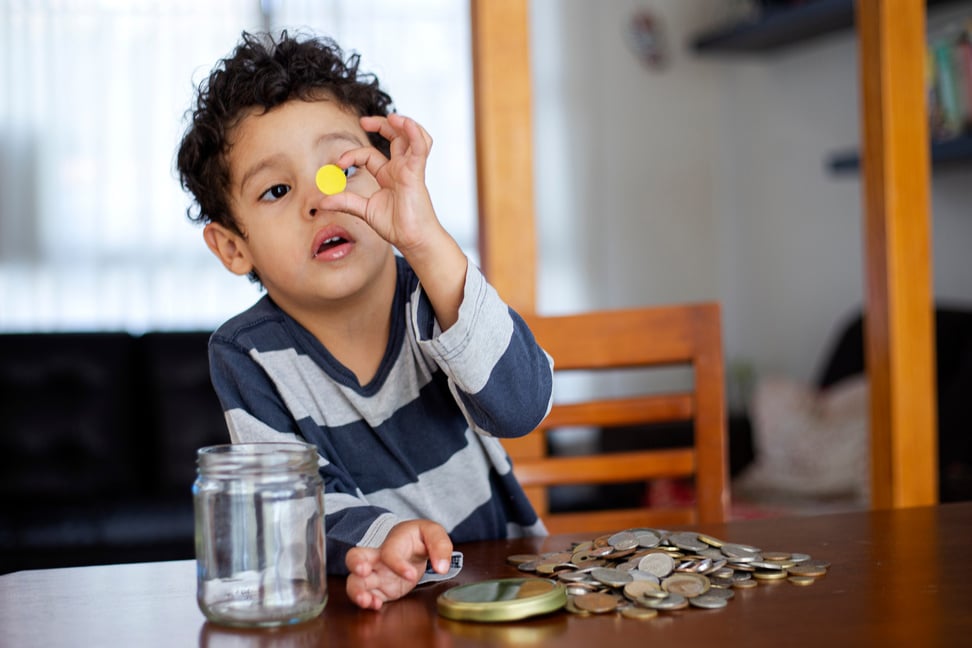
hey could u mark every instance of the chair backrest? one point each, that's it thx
(655, 337)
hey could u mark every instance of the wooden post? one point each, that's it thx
(899, 320)
(504, 148)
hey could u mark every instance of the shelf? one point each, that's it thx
(943, 154)
(777, 28)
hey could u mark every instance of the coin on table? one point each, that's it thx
(571, 607)
(770, 575)
(720, 593)
(688, 584)
(801, 580)
(708, 601)
(640, 613)
(596, 602)
(745, 584)
(807, 569)
(657, 564)
(670, 602)
(519, 559)
(776, 556)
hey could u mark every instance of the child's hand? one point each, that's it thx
(392, 570)
(401, 210)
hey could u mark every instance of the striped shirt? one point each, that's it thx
(421, 439)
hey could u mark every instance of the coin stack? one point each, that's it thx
(639, 572)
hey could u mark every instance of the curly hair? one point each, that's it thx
(264, 72)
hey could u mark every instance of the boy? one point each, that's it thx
(402, 370)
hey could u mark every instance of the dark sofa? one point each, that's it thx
(98, 434)
(953, 355)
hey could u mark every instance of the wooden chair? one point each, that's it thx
(688, 335)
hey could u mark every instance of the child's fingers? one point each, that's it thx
(346, 201)
(395, 127)
(365, 157)
(439, 547)
(361, 560)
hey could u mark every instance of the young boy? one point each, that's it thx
(401, 369)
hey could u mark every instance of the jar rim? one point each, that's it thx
(270, 455)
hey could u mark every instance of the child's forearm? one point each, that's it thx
(440, 265)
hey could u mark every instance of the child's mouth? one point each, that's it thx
(331, 243)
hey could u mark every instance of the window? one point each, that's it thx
(93, 93)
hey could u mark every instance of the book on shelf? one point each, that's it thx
(949, 74)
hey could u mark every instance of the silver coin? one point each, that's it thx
(657, 564)
(623, 541)
(670, 602)
(611, 577)
(737, 551)
(648, 539)
(638, 575)
(708, 601)
(688, 540)
(720, 593)
(573, 576)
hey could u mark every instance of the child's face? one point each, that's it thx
(273, 159)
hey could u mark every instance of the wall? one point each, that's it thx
(708, 180)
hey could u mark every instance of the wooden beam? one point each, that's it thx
(897, 233)
(504, 148)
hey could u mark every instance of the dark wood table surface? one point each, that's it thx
(898, 578)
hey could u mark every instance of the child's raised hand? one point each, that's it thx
(392, 570)
(401, 210)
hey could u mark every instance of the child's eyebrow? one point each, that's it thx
(337, 136)
(326, 138)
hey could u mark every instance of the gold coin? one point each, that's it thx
(519, 559)
(802, 580)
(637, 590)
(776, 556)
(688, 584)
(767, 575)
(597, 603)
(640, 613)
(745, 584)
(571, 607)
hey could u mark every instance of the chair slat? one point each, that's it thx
(606, 468)
(622, 411)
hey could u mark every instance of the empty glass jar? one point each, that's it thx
(260, 557)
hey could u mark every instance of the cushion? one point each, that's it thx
(810, 442)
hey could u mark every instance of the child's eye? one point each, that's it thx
(275, 192)
(350, 171)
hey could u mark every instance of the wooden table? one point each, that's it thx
(898, 578)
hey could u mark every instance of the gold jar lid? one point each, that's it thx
(502, 599)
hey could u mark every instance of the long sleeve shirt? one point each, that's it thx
(421, 439)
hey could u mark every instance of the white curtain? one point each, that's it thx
(93, 93)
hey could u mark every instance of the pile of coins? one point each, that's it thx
(639, 572)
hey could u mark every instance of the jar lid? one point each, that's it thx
(502, 599)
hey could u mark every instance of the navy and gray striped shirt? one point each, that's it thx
(420, 440)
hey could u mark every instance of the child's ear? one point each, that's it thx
(229, 247)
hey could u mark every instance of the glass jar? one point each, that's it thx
(260, 558)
